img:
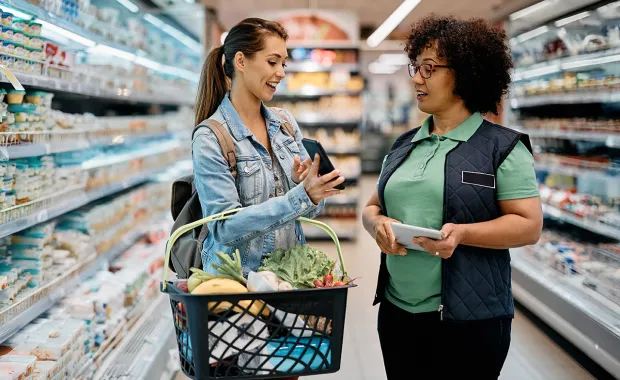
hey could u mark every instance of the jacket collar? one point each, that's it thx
(236, 125)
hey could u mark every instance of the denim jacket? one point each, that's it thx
(252, 229)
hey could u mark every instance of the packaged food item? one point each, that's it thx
(20, 24)
(13, 371)
(36, 42)
(46, 369)
(35, 97)
(9, 46)
(16, 96)
(10, 198)
(7, 183)
(28, 361)
(34, 28)
(20, 50)
(19, 37)
(7, 19)
(7, 33)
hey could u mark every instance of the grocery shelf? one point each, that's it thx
(309, 119)
(576, 172)
(55, 84)
(583, 316)
(41, 299)
(591, 225)
(12, 152)
(314, 67)
(315, 93)
(95, 39)
(143, 346)
(106, 160)
(610, 139)
(555, 65)
(77, 200)
(581, 97)
(322, 44)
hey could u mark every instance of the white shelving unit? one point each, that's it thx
(610, 139)
(586, 318)
(588, 224)
(149, 328)
(581, 97)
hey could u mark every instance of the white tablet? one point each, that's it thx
(405, 234)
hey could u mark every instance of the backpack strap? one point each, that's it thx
(287, 124)
(226, 143)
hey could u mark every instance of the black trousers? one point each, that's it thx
(435, 349)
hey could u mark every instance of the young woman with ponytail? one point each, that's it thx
(276, 180)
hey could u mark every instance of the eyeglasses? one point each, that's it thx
(425, 69)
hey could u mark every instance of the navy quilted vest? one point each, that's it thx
(476, 281)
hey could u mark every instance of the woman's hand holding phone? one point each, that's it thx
(385, 236)
(321, 187)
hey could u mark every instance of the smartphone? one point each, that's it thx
(314, 147)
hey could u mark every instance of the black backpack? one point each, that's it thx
(185, 206)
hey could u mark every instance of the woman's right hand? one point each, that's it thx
(385, 236)
(321, 187)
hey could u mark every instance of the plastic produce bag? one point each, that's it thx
(237, 333)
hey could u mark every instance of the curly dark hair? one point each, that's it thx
(478, 53)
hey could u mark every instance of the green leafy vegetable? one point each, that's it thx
(299, 265)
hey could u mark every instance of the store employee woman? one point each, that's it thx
(451, 307)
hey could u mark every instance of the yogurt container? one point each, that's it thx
(20, 24)
(36, 43)
(11, 168)
(3, 168)
(19, 37)
(20, 50)
(7, 32)
(7, 19)
(10, 198)
(7, 183)
(34, 28)
(16, 96)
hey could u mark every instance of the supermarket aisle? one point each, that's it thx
(533, 356)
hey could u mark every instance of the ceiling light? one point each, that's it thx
(532, 33)
(107, 50)
(531, 9)
(393, 59)
(391, 22)
(571, 19)
(67, 34)
(153, 20)
(379, 68)
(129, 5)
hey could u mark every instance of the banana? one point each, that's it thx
(220, 286)
(256, 307)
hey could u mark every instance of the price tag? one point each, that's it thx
(11, 77)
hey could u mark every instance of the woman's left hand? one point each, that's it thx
(300, 169)
(452, 236)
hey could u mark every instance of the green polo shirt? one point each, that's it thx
(414, 195)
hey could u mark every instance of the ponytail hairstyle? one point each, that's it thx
(248, 37)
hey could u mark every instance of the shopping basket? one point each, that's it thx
(262, 334)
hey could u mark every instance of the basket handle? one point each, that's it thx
(227, 214)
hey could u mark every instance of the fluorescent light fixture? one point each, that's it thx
(532, 33)
(153, 20)
(536, 72)
(107, 50)
(571, 19)
(180, 36)
(531, 9)
(393, 59)
(391, 22)
(379, 68)
(67, 34)
(129, 5)
(16, 13)
(591, 62)
(223, 37)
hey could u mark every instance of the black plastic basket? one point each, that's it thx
(259, 335)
